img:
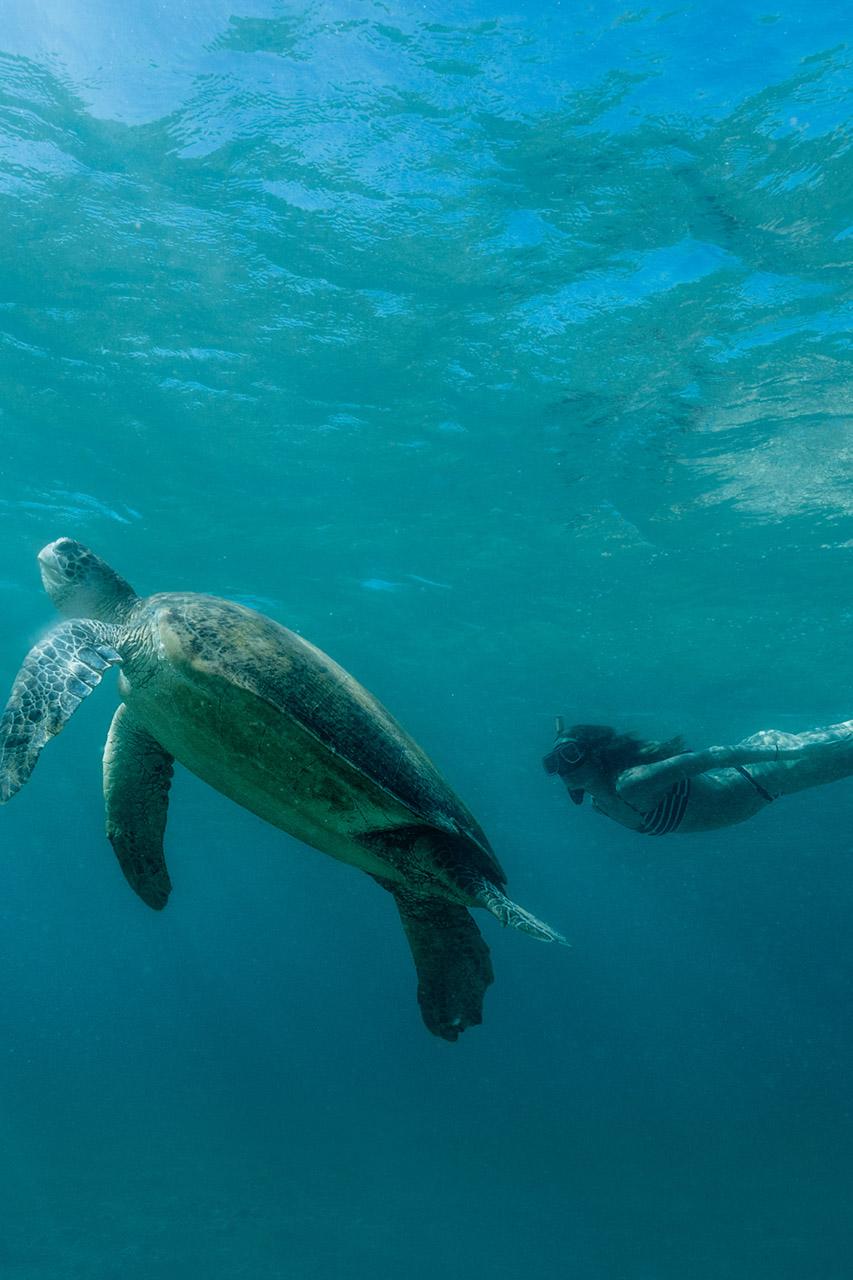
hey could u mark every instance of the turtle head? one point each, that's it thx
(81, 584)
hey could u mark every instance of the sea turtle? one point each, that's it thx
(270, 721)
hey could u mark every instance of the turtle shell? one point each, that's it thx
(222, 640)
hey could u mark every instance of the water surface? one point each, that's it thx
(505, 355)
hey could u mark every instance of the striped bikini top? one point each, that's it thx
(668, 813)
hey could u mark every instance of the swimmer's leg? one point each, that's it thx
(810, 759)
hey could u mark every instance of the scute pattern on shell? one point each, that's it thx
(228, 641)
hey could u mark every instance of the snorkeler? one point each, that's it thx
(658, 788)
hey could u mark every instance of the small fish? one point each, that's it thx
(86, 500)
(429, 582)
(380, 584)
(261, 604)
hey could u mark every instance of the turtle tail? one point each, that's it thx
(494, 900)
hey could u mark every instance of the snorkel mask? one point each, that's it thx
(564, 757)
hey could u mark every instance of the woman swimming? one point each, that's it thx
(658, 788)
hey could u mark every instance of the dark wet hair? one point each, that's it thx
(614, 752)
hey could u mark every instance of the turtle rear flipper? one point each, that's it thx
(451, 959)
(56, 676)
(459, 863)
(510, 913)
(137, 777)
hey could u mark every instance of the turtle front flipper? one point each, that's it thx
(451, 959)
(137, 777)
(56, 676)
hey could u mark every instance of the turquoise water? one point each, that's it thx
(506, 356)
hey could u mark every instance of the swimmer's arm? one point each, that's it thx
(643, 786)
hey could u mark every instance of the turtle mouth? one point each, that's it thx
(49, 567)
(57, 571)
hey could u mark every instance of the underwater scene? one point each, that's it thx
(396, 398)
